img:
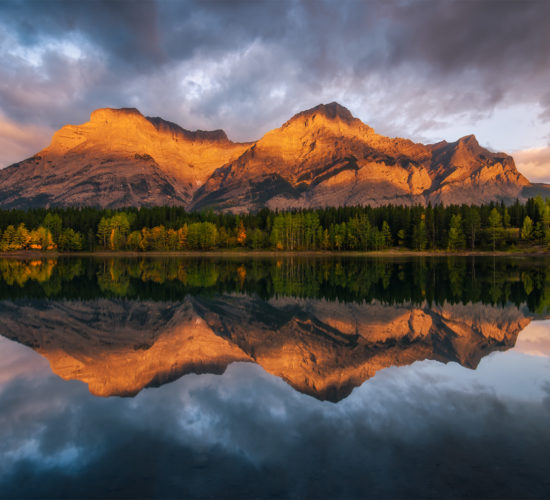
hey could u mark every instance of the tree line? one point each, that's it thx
(361, 228)
(444, 280)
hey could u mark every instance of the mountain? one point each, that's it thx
(320, 348)
(326, 157)
(119, 158)
(320, 157)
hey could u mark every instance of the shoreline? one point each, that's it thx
(29, 254)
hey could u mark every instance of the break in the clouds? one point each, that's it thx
(428, 70)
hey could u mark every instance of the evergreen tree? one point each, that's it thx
(54, 224)
(495, 225)
(70, 240)
(456, 235)
(473, 224)
(419, 235)
(506, 218)
(545, 220)
(401, 237)
(386, 235)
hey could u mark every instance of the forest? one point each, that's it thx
(493, 226)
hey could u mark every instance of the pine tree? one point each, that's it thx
(419, 235)
(495, 225)
(401, 237)
(386, 235)
(472, 223)
(456, 235)
(54, 224)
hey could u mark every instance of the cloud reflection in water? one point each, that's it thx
(418, 430)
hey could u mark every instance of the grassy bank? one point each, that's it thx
(535, 251)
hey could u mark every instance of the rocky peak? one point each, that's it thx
(469, 139)
(332, 112)
(469, 143)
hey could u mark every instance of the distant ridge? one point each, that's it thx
(322, 156)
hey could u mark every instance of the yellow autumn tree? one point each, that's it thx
(182, 237)
(241, 234)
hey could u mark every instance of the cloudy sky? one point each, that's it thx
(428, 70)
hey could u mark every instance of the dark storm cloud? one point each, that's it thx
(491, 48)
(128, 32)
(450, 36)
(406, 67)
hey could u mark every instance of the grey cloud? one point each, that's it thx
(405, 67)
(545, 103)
(125, 31)
(451, 36)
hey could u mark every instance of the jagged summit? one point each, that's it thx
(469, 139)
(331, 111)
(124, 116)
(322, 156)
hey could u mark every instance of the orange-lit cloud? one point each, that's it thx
(19, 361)
(19, 141)
(534, 163)
(535, 339)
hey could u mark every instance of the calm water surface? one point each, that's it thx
(324, 378)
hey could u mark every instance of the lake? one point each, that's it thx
(318, 377)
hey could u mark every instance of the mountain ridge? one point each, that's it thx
(320, 348)
(323, 156)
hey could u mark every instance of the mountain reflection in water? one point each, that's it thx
(322, 325)
(442, 415)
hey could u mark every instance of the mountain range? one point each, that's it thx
(320, 157)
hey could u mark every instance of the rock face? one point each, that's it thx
(320, 157)
(119, 158)
(320, 348)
